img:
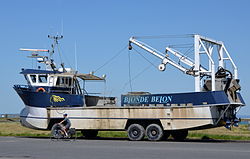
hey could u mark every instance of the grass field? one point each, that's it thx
(16, 129)
(9, 128)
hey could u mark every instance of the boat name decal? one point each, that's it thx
(146, 99)
(55, 98)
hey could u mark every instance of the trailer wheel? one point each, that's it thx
(179, 135)
(154, 132)
(90, 134)
(136, 132)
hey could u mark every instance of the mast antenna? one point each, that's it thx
(75, 57)
(51, 52)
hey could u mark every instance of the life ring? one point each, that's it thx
(40, 89)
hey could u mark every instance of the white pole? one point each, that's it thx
(75, 58)
(221, 60)
(212, 67)
(197, 63)
(234, 66)
(213, 77)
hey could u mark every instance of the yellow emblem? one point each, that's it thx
(55, 98)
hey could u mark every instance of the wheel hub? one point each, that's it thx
(135, 132)
(153, 132)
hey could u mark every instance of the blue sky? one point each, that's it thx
(101, 28)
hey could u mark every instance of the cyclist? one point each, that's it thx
(66, 124)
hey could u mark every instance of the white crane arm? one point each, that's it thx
(184, 59)
(168, 60)
(147, 48)
(164, 57)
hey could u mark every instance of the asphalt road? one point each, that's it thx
(44, 148)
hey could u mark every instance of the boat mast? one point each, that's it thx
(52, 51)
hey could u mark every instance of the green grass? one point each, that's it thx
(115, 134)
(216, 137)
(26, 134)
(192, 135)
(9, 128)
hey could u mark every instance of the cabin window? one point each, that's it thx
(64, 81)
(42, 78)
(33, 78)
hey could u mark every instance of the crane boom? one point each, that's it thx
(184, 59)
(164, 57)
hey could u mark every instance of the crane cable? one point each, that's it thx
(112, 58)
(129, 70)
(138, 74)
(187, 45)
(145, 58)
(165, 36)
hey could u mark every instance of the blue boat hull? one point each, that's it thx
(179, 99)
(45, 99)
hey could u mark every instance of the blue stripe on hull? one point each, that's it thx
(194, 98)
(123, 118)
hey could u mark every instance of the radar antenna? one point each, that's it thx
(52, 51)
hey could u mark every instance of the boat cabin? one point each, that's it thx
(52, 81)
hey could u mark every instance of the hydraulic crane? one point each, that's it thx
(202, 45)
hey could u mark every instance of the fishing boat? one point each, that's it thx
(53, 91)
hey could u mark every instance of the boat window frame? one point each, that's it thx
(33, 80)
(27, 79)
(40, 80)
(64, 81)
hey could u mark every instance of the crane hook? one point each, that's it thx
(129, 46)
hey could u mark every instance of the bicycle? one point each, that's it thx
(58, 133)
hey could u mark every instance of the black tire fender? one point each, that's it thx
(179, 135)
(166, 135)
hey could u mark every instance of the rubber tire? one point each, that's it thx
(179, 135)
(154, 132)
(90, 134)
(71, 132)
(136, 132)
(56, 132)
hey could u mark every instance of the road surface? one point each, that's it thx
(42, 148)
